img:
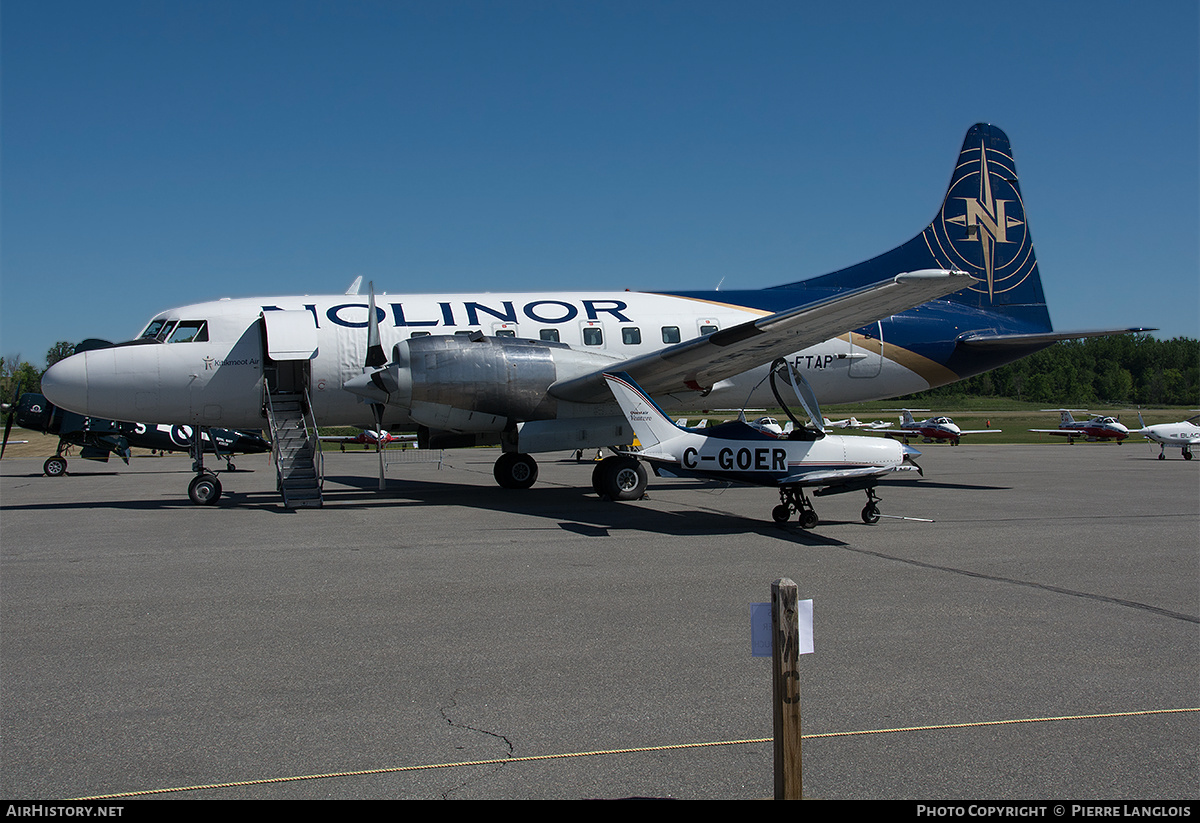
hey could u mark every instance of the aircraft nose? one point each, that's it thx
(65, 384)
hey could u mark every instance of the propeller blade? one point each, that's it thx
(376, 358)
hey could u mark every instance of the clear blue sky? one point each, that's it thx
(161, 153)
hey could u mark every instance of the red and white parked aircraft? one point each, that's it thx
(369, 437)
(1099, 427)
(931, 429)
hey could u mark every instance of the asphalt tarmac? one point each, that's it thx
(1031, 632)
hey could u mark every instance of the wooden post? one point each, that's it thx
(785, 689)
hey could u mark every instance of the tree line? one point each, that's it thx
(1128, 369)
(15, 372)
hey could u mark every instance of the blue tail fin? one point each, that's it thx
(981, 228)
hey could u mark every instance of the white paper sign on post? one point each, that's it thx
(760, 628)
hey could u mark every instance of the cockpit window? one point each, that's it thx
(190, 331)
(154, 329)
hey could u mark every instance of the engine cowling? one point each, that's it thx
(475, 383)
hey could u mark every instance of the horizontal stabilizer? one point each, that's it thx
(985, 340)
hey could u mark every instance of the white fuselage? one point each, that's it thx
(769, 462)
(219, 381)
(1173, 434)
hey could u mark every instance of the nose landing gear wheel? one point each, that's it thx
(870, 512)
(205, 489)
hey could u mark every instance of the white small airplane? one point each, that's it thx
(853, 423)
(741, 452)
(1099, 427)
(931, 429)
(1184, 435)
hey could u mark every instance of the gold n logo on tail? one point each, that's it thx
(986, 220)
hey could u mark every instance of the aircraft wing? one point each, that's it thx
(980, 431)
(695, 365)
(831, 477)
(1064, 432)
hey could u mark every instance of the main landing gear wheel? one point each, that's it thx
(620, 478)
(205, 489)
(1187, 455)
(793, 499)
(54, 466)
(515, 471)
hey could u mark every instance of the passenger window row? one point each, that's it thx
(594, 335)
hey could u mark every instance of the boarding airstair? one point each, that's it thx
(295, 449)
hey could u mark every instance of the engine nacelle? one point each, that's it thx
(475, 383)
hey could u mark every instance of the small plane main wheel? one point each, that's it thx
(1187, 455)
(620, 478)
(781, 513)
(55, 467)
(1162, 456)
(515, 471)
(870, 513)
(808, 519)
(205, 489)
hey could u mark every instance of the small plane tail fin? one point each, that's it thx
(650, 423)
(1064, 416)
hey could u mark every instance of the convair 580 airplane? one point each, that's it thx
(526, 371)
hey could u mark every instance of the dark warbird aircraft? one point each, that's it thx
(99, 439)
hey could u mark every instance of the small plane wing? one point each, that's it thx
(831, 477)
(695, 365)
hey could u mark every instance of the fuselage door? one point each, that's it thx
(866, 352)
(291, 335)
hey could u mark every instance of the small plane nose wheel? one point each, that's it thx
(870, 512)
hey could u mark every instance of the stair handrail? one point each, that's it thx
(275, 454)
(310, 430)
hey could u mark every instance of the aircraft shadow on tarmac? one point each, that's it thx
(574, 509)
